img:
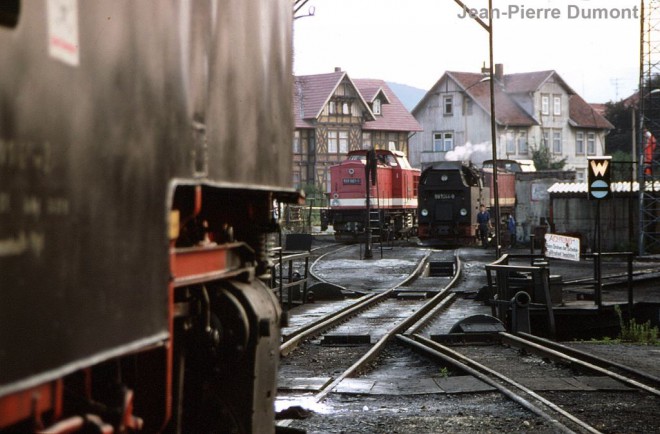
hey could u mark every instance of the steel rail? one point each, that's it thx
(442, 304)
(591, 358)
(313, 329)
(517, 341)
(484, 373)
(378, 346)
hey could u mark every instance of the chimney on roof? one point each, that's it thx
(499, 72)
(337, 68)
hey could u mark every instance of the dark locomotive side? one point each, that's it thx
(450, 194)
(141, 150)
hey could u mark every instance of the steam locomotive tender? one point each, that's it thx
(141, 149)
(450, 193)
(392, 195)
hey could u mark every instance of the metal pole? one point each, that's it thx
(493, 131)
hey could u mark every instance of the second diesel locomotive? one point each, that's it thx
(450, 193)
(392, 195)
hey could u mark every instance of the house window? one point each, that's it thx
(579, 176)
(332, 142)
(579, 143)
(522, 143)
(376, 107)
(545, 140)
(366, 140)
(510, 143)
(346, 108)
(591, 143)
(468, 106)
(545, 104)
(332, 108)
(556, 142)
(343, 142)
(443, 142)
(448, 104)
(556, 105)
(296, 143)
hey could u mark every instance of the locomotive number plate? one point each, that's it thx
(445, 196)
(352, 181)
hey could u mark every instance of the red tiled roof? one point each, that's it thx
(583, 115)
(311, 94)
(394, 115)
(507, 111)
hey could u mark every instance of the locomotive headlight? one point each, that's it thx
(463, 212)
(424, 212)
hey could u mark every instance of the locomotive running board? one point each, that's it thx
(194, 265)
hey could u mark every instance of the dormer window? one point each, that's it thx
(376, 106)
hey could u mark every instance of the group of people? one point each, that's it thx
(485, 227)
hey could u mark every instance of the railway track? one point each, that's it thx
(405, 362)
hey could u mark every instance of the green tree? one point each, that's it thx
(544, 160)
(620, 114)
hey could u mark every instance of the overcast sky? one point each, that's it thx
(414, 42)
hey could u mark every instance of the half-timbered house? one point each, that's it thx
(335, 114)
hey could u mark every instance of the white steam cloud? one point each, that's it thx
(477, 154)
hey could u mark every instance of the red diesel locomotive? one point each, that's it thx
(392, 190)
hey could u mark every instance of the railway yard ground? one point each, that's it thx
(366, 373)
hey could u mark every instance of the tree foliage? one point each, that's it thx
(544, 160)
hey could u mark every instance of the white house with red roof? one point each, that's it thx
(335, 114)
(532, 109)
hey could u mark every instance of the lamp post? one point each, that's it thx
(493, 125)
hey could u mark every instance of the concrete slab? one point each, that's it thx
(603, 383)
(462, 384)
(560, 383)
(355, 386)
(303, 384)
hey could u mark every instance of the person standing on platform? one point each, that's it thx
(483, 220)
(511, 226)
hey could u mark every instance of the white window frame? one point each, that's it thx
(297, 149)
(523, 148)
(333, 141)
(448, 105)
(510, 142)
(591, 143)
(556, 142)
(545, 105)
(366, 140)
(556, 105)
(332, 107)
(376, 106)
(443, 141)
(579, 143)
(343, 142)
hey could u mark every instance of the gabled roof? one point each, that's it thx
(313, 92)
(507, 111)
(583, 115)
(394, 115)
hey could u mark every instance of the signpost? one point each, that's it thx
(599, 181)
